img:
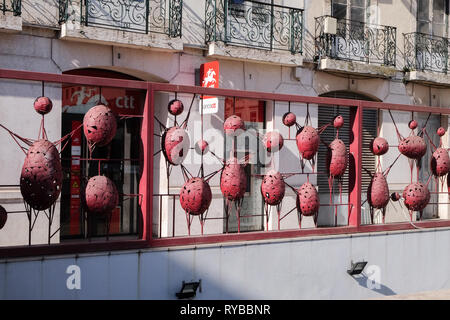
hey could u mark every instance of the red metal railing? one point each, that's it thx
(147, 238)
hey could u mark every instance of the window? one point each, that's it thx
(349, 9)
(432, 17)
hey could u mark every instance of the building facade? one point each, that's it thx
(379, 52)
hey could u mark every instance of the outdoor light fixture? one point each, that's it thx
(189, 290)
(356, 268)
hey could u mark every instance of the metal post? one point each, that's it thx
(355, 166)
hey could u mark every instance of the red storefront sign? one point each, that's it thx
(209, 75)
(75, 180)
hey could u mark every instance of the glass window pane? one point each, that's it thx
(438, 29)
(439, 11)
(423, 27)
(339, 11)
(423, 10)
(357, 14)
(358, 3)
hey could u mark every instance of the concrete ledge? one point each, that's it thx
(429, 295)
(231, 52)
(76, 32)
(10, 23)
(435, 78)
(359, 68)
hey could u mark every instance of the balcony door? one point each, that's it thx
(432, 42)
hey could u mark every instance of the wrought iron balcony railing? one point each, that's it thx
(356, 41)
(426, 52)
(254, 24)
(14, 6)
(142, 16)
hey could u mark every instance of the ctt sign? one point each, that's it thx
(209, 75)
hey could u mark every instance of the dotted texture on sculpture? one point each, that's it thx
(379, 146)
(233, 181)
(233, 126)
(175, 107)
(43, 105)
(99, 125)
(273, 141)
(413, 147)
(289, 119)
(175, 145)
(273, 188)
(195, 196)
(308, 202)
(308, 142)
(337, 158)
(41, 176)
(416, 196)
(440, 162)
(378, 191)
(101, 195)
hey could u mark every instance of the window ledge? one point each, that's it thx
(428, 77)
(78, 32)
(357, 68)
(10, 23)
(233, 52)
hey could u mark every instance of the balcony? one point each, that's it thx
(355, 47)
(140, 23)
(255, 31)
(10, 15)
(426, 58)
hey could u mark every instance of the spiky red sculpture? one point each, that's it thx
(337, 158)
(378, 191)
(175, 145)
(413, 147)
(195, 196)
(175, 107)
(273, 141)
(416, 196)
(273, 188)
(308, 142)
(41, 176)
(440, 131)
(233, 181)
(379, 146)
(440, 162)
(289, 119)
(233, 126)
(338, 122)
(202, 147)
(308, 202)
(101, 195)
(3, 217)
(413, 124)
(99, 125)
(43, 105)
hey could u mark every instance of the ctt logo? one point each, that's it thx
(74, 280)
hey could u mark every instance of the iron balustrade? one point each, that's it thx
(356, 41)
(426, 52)
(141, 16)
(14, 6)
(254, 24)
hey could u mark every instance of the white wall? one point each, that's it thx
(310, 268)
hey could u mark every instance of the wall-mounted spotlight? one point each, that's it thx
(356, 268)
(189, 290)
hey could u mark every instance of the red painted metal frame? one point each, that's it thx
(146, 184)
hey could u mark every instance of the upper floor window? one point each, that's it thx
(349, 9)
(432, 17)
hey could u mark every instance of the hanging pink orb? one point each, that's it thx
(202, 147)
(378, 191)
(273, 141)
(175, 107)
(273, 188)
(175, 145)
(413, 124)
(379, 146)
(41, 176)
(99, 125)
(233, 126)
(416, 196)
(413, 147)
(233, 180)
(337, 158)
(440, 162)
(338, 122)
(289, 119)
(308, 202)
(43, 105)
(195, 196)
(440, 131)
(308, 142)
(3, 217)
(101, 195)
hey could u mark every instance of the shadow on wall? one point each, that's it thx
(370, 284)
(41, 12)
(195, 34)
